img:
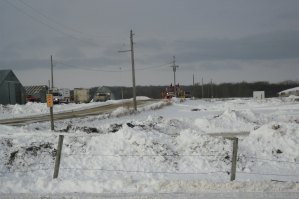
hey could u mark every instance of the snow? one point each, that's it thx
(289, 90)
(33, 108)
(165, 147)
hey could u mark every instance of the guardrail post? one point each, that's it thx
(234, 159)
(58, 156)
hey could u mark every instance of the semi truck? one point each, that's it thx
(81, 95)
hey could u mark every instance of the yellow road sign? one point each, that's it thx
(49, 100)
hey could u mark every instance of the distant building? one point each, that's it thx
(36, 93)
(258, 94)
(288, 92)
(11, 89)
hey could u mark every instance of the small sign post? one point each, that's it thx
(50, 105)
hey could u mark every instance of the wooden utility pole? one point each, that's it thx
(174, 70)
(51, 93)
(52, 77)
(211, 88)
(202, 88)
(193, 79)
(133, 68)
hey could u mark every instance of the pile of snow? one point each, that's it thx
(33, 108)
(165, 147)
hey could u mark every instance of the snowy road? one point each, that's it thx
(73, 114)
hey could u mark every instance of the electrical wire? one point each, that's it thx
(116, 71)
(44, 23)
(52, 19)
(89, 68)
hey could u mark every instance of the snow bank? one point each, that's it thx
(162, 148)
(33, 108)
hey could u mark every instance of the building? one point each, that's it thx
(36, 93)
(11, 89)
(288, 92)
(259, 94)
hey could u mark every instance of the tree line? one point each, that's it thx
(223, 90)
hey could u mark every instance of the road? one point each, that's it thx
(73, 114)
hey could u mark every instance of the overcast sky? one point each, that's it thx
(222, 40)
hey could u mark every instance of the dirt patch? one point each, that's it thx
(86, 129)
(33, 150)
(12, 157)
(28, 155)
(195, 109)
(114, 128)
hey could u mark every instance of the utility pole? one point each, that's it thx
(52, 78)
(51, 93)
(202, 88)
(122, 92)
(211, 88)
(174, 70)
(193, 79)
(133, 68)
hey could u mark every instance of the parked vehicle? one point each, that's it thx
(57, 97)
(81, 95)
(187, 94)
(102, 97)
(31, 98)
(66, 95)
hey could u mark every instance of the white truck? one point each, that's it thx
(61, 95)
(102, 97)
(66, 94)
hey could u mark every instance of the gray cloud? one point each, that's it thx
(225, 39)
(266, 46)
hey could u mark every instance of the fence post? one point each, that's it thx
(234, 159)
(58, 156)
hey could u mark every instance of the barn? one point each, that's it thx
(11, 89)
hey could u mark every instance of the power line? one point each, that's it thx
(44, 23)
(52, 19)
(89, 68)
(95, 68)
(152, 67)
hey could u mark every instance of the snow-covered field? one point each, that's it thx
(163, 148)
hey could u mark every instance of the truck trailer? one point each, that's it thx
(81, 95)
